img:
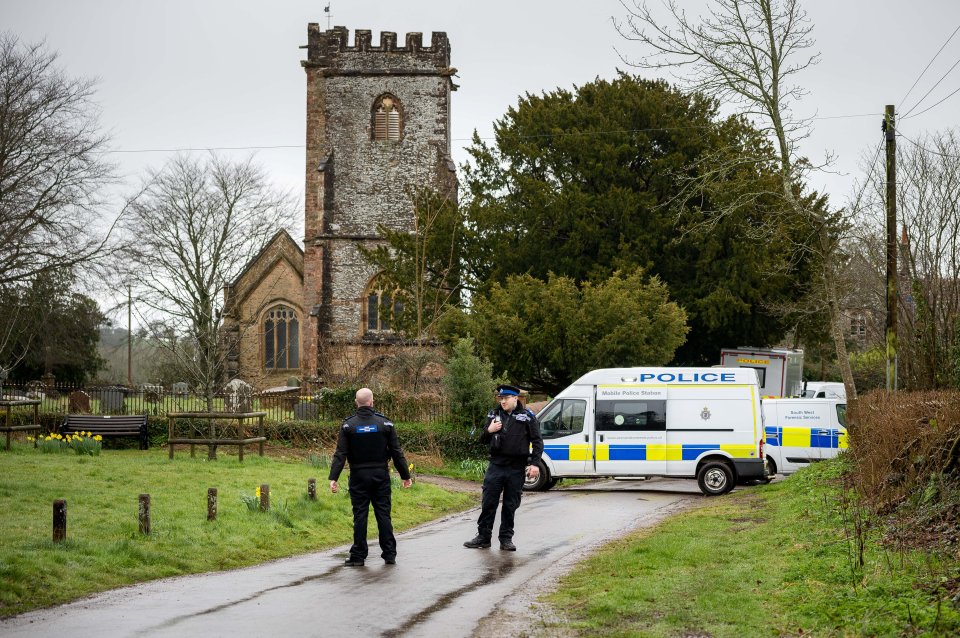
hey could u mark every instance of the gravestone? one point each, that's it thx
(306, 411)
(181, 389)
(111, 401)
(283, 397)
(34, 390)
(151, 392)
(238, 396)
(293, 382)
(79, 402)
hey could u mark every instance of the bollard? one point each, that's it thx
(264, 498)
(312, 489)
(59, 520)
(211, 504)
(145, 514)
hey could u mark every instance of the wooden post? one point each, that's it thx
(170, 421)
(265, 497)
(261, 434)
(892, 294)
(145, 514)
(59, 520)
(211, 504)
(241, 434)
(312, 489)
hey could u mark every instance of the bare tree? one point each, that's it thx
(193, 228)
(748, 52)
(52, 172)
(928, 194)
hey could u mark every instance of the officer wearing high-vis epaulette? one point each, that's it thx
(512, 433)
(368, 440)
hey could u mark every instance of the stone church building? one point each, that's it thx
(378, 126)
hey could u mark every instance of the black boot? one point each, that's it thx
(477, 542)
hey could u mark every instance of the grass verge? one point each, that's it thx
(104, 548)
(775, 560)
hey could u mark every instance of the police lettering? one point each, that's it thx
(688, 377)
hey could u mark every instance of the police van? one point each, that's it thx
(802, 431)
(702, 423)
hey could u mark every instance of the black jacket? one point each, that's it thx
(368, 440)
(518, 443)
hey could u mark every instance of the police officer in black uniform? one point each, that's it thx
(368, 440)
(512, 433)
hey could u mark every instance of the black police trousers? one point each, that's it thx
(506, 480)
(371, 486)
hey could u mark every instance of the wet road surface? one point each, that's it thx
(437, 587)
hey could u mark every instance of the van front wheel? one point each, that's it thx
(715, 478)
(543, 481)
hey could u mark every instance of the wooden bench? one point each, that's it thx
(210, 436)
(8, 426)
(108, 425)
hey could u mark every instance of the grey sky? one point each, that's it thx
(226, 73)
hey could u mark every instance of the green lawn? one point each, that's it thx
(776, 560)
(104, 548)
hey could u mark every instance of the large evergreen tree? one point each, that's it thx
(630, 172)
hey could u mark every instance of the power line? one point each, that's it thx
(904, 98)
(460, 139)
(942, 77)
(928, 150)
(937, 104)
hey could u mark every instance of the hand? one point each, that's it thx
(495, 426)
(533, 471)
(334, 487)
(407, 483)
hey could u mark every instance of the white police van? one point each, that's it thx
(702, 423)
(802, 431)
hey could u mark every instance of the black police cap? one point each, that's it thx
(505, 390)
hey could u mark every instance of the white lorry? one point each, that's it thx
(802, 431)
(780, 372)
(702, 423)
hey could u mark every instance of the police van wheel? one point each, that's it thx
(543, 481)
(771, 467)
(715, 478)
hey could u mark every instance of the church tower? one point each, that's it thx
(378, 127)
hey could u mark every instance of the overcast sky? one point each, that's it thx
(226, 73)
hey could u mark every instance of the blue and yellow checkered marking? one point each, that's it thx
(806, 437)
(642, 452)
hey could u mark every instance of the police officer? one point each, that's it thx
(368, 440)
(513, 435)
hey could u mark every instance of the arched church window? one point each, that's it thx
(281, 339)
(387, 118)
(381, 307)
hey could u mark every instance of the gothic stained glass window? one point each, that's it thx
(281, 339)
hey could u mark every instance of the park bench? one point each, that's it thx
(107, 425)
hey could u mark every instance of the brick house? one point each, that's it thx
(378, 125)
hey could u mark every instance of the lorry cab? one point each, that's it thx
(802, 431)
(702, 423)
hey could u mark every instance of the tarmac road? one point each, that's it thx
(437, 587)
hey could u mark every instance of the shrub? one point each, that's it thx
(469, 384)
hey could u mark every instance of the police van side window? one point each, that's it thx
(631, 415)
(842, 414)
(563, 418)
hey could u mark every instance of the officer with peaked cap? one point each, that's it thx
(512, 434)
(368, 440)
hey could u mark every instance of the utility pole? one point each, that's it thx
(129, 337)
(889, 129)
